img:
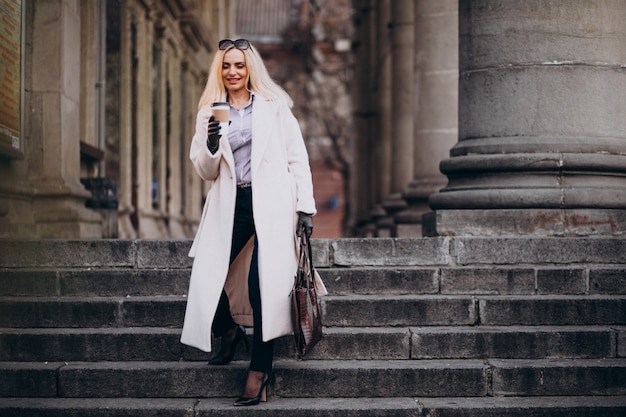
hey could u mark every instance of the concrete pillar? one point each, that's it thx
(162, 117)
(384, 99)
(373, 116)
(436, 115)
(403, 100)
(362, 99)
(149, 224)
(89, 52)
(403, 105)
(192, 206)
(542, 128)
(92, 83)
(382, 141)
(126, 210)
(137, 216)
(53, 151)
(174, 153)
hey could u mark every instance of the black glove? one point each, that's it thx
(213, 140)
(305, 221)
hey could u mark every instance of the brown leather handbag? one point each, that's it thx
(305, 307)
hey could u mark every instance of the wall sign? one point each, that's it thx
(11, 76)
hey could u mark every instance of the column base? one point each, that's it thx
(65, 217)
(152, 225)
(409, 221)
(126, 230)
(524, 222)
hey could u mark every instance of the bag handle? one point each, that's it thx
(306, 260)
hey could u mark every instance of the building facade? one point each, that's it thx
(109, 92)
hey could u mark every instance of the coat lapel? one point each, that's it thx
(227, 153)
(263, 121)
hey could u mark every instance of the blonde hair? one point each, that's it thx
(259, 80)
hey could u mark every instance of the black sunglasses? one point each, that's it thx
(239, 44)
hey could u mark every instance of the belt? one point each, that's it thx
(244, 185)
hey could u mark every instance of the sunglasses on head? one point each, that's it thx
(239, 44)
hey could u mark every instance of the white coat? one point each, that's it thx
(281, 186)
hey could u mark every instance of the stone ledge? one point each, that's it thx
(345, 252)
(525, 222)
(331, 407)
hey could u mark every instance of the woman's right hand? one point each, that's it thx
(213, 131)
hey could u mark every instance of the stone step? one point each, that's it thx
(93, 282)
(440, 310)
(516, 342)
(474, 342)
(552, 310)
(92, 312)
(502, 280)
(399, 310)
(346, 252)
(342, 311)
(318, 379)
(310, 407)
(476, 280)
(99, 282)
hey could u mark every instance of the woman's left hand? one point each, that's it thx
(305, 221)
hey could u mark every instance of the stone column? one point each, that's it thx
(403, 103)
(384, 97)
(192, 205)
(53, 152)
(175, 154)
(542, 128)
(149, 224)
(126, 207)
(402, 44)
(88, 71)
(137, 217)
(360, 179)
(382, 141)
(436, 115)
(159, 139)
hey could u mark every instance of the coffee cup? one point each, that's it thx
(221, 111)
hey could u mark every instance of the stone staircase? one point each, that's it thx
(446, 327)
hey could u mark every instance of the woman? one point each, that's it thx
(244, 259)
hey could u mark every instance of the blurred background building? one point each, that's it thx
(110, 92)
(109, 99)
(306, 46)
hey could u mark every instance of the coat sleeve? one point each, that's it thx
(205, 163)
(298, 162)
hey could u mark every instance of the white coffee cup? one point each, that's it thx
(221, 112)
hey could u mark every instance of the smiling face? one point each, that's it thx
(234, 70)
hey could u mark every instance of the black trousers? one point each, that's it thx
(243, 229)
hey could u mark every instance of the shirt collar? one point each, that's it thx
(251, 98)
(252, 95)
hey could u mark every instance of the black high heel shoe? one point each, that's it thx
(220, 359)
(261, 396)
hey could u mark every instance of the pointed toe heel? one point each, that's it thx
(260, 397)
